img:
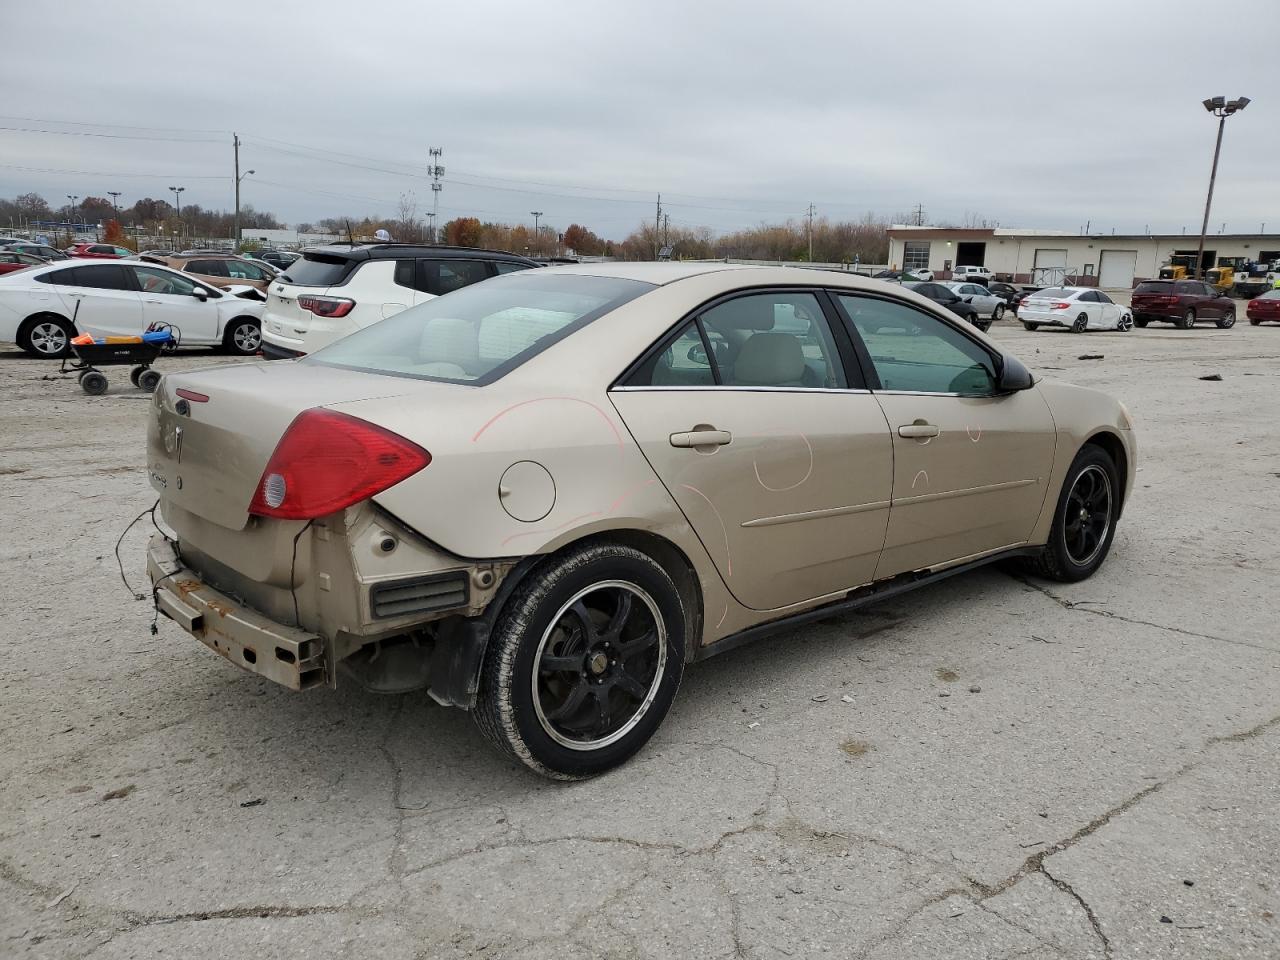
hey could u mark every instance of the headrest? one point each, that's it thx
(770, 359)
(449, 340)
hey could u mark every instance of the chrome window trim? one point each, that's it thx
(665, 388)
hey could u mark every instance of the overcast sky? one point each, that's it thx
(1029, 113)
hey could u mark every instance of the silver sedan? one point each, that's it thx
(984, 301)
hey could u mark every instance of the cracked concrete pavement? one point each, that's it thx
(1109, 791)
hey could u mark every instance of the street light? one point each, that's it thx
(536, 214)
(115, 202)
(177, 200)
(239, 178)
(1221, 108)
(431, 218)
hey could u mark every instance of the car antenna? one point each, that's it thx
(350, 239)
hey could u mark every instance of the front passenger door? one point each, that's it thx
(970, 465)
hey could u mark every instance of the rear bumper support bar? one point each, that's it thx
(286, 655)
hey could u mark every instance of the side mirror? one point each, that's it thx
(200, 293)
(1013, 376)
(698, 354)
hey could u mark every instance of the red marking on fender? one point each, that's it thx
(728, 558)
(567, 523)
(524, 403)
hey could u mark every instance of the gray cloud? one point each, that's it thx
(1029, 113)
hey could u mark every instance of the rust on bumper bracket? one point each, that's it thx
(291, 657)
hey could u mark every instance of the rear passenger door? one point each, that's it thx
(754, 417)
(101, 298)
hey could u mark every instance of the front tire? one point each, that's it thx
(1081, 324)
(1227, 320)
(1188, 320)
(584, 662)
(1084, 521)
(46, 336)
(998, 313)
(243, 337)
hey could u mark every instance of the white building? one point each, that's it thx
(1053, 256)
(285, 238)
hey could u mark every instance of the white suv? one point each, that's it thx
(333, 291)
(971, 275)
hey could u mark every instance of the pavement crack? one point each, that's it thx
(1084, 905)
(231, 913)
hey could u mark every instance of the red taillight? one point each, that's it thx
(192, 395)
(327, 461)
(1061, 305)
(326, 306)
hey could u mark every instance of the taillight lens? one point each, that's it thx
(326, 306)
(1061, 305)
(326, 461)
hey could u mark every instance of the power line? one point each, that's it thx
(108, 136)
(102, 173)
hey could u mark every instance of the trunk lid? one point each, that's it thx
(207, 456)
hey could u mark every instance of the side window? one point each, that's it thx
(243, 271)
(404, 276)
(776, 339)
(104, 277)
(506, 266)
(683, 364)
(1185, 287)
(101, 248)
(444, 276)
(1088, 297)
(210, 268)
(918, 353)
(1102, 297)
(152, 280)
(67, 277)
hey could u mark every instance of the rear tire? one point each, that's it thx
(1081, 324)
(1253, 322)
(1084, 520)
(1187, 321)
(1140, 322)
(46, 336)
(558, 691)
(1227, 320)
(1030, 325)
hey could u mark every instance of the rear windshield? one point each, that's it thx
(1153, 286)
(315, 270)
(1272, 294)
(1052, 293)
(481, 332)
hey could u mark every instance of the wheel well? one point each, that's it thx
(670, 557)
(226, 329)
(1111, 445)
(35, 318)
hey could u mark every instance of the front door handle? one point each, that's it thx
(918, 430)
(701, 438)
(153, 301)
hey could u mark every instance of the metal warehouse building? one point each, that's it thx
(1051, 256)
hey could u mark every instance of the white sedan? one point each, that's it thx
(1076, 308)
(984, 301)
(42, 308)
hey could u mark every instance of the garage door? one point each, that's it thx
(1116, 269)
(1051, 258)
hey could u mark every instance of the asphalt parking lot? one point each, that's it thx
(990, 768)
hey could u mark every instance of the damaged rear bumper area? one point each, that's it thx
(286, 655)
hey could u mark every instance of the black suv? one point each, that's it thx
(947, 298)
(337, 289)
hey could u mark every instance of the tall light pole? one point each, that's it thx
(431, 219)
(535, 214)
(73, 197)
(177, 201)
(115, 203)
(239, 177)
(1221, 108)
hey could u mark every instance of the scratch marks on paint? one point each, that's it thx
(807, 473)
(567, 523)
(524, 403)
(917, 477)
(728, 558)
(723, 616)
(971, 436)
(629, 494)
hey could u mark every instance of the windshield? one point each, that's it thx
(481, 332)
(318, 271)
(1053, 293)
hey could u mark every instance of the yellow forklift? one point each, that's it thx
(1179, 267)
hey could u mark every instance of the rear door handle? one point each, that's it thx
(916, 431)
(701, 438)
(153, 301)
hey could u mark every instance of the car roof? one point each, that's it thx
(393, 251)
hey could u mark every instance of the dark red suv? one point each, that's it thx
(1181, 302)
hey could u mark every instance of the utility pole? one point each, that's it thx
(235, 232)
(1221, 108)
(657, 223)
(437, 171)
(115, 202)
(810, 215)
(919, 217)
(666, 229)
(535, 214)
